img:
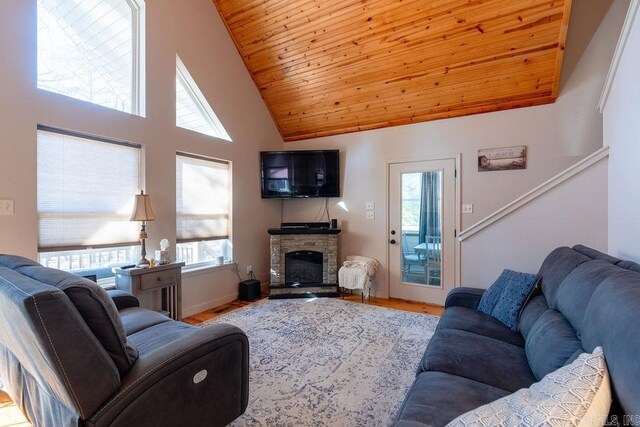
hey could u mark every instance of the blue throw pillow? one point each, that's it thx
(506, 297)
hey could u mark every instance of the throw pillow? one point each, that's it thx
(506, 297)
(578, 394)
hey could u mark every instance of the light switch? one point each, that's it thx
(371, 215)
(370, 206)
(467, 209)
(6, 207)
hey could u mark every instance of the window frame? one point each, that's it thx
(138, 33)
(70, 250)
(229, 238)
(138, 59)
(193, 90)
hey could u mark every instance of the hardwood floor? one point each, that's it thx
(10, 415)
(196, 319)
(397, 304)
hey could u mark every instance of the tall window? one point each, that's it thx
(93, 50)
(193, 112)
(203, 193)
(86, 188)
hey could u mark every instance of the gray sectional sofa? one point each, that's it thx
(70, 354)
(585, 299)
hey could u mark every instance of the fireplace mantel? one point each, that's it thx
(302, 230)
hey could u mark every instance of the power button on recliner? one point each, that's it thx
(200, 376)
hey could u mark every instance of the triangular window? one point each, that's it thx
(193, 112)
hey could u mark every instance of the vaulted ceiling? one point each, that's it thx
(326, 67)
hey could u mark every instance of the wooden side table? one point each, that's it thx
(166, 278)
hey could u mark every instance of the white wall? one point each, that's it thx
(573, 213)
(557, 136)
(621, 132)
(194, 30)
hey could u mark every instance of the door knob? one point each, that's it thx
(393, 232)
(392, 241)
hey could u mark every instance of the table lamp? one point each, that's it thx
(142, 211)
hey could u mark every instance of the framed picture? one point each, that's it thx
(500, 159)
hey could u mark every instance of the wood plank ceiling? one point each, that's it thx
(327, 67)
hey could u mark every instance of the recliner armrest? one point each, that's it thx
(199, 379)
(464, 297)
(123, 299)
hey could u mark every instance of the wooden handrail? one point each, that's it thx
(550, 184)
(617, 55)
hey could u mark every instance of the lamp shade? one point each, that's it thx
(142, 210)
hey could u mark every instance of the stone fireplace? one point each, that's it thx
(303, 261)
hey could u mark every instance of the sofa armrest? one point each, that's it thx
(464, 297)
(199, 379)
(123, 299)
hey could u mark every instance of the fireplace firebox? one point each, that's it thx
(304, 267)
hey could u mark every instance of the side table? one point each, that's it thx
(166, 278)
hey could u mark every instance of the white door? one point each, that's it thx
(422, 230)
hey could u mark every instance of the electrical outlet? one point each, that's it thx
(6, 207)
(370, 206)
(467, 209)
(371, 215)
(249, 269)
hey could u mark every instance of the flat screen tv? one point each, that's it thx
(291, 174)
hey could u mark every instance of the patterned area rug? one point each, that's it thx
(328, 362)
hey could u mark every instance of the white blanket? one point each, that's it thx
(357, 272)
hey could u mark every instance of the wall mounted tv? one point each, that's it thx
(291, 174)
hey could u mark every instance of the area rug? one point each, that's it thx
(328, 362)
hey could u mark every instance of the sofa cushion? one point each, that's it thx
(506, 296)
(436, 398)
(464, 297)
(92, 302)
(530, 313)
(154, 337)
(555, 267)
(551, 342)
(136, 319)
(478, 358)
(14, 262)
(629, 265)
(123, 299)
(596, 254)
(611, 321)
(574, 293)
(471, 320)
(575, 395)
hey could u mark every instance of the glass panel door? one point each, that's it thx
(422, 215)
(421, 225)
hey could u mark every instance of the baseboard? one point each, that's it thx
(199, 308)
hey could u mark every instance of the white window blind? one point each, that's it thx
(193, 112)
(202, 198)
(92, 50)
(86, 189)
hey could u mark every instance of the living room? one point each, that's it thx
(576, 122)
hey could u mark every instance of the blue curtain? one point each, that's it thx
(429, 207)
